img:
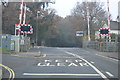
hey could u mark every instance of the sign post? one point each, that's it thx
(80, 34)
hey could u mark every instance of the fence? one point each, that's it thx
(105, 46)
(24, 44)
(11, 42)
(7, 42)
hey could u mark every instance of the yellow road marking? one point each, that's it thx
(12, 74)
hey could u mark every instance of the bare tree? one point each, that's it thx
(97, 15)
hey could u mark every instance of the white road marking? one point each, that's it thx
(44, 55)
(107, 57)
(81, 64)
(49, 62)
(92, 62)
(97, 70)
(58, 74)
(110, 74)
(39, 64)
(86, 64)
(78, 60)
(60, 64)
(72, 64)
(56, 60)
(67, 61)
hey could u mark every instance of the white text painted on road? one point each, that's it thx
(76, 62)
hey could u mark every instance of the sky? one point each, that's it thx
(64, 7)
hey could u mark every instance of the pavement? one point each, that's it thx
(30, 54)
(114, 55)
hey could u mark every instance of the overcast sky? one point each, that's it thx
(63, 7)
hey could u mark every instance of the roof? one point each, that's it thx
(114, 25)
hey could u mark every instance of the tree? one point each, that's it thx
(45, 22)
(9, 18)
(97, 15)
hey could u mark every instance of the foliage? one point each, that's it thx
(44, 23)
(53, 29)
(97, 16)
(5, 50)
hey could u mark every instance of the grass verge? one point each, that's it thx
(5, 51)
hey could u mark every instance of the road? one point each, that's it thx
(62, 63)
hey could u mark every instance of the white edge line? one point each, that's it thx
(98, 71)
(57, 74)
(110, 74)
(107, 57)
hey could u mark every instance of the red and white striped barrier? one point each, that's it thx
(20, 23)
(24, 16)
(108, 13)
(20, 17)
(23, 25)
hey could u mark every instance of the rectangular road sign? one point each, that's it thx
(79, 33)
(24, 28)
(104, 31)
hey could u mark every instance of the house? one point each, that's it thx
(115, 27)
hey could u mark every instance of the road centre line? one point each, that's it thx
(97, 70)
(58, 74)
(109, 74)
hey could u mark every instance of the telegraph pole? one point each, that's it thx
(38, 12)
(88, 21)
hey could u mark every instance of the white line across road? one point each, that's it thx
(97, 70)
(58, 74)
